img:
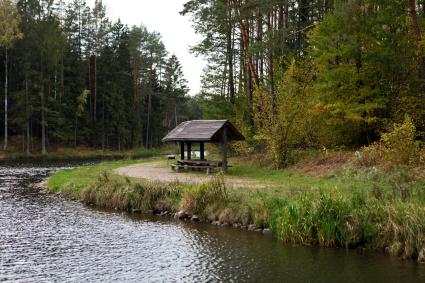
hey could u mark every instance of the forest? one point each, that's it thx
(75, 78)
(289, 73)
(297, 74)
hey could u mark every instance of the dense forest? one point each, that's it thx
(290, 73)
(311, 73)
(73, 77)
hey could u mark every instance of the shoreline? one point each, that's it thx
(331, 218)
(180, 215)
(78, 154)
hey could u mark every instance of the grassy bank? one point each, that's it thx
(350, 208)
(79, 153)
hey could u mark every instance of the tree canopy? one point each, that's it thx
(79, 79)
(289, 73)
(342, 71)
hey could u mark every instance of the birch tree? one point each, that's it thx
(9, 33)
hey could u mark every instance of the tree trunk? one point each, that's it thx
(5, 99)
(90, 87)
(249, 89)
(31, 135)
(286, 13)
(95, 89)
(27, 116)
(259, 40)
(62, 90)
(246, 42)
(230, 57)
(148, 118)
(325, 7)
(175, 113)
(271, 66)
(413, 14)
(56, 78)
(417, 31)
(136, 85)
(246, 74)
(75, 131)
(43, 126)
(103, 121)
(224, 84)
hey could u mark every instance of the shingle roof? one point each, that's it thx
(203, 130)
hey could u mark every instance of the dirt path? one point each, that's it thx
(158, 171)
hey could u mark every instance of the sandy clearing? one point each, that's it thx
(157, 171)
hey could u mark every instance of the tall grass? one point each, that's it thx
(338, 219)
(356, 207)
(120, 193)
(205, 199)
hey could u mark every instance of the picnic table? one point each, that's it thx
(196, 165)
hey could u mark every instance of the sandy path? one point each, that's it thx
(158, 171)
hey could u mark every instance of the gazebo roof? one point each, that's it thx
(203, 130)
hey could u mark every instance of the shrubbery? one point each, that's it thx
(395, 148)
(284, 122)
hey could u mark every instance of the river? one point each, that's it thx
(44, 238)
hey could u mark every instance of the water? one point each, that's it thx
(44, 238)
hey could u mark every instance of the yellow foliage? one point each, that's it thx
(283, 126)
(397, 147)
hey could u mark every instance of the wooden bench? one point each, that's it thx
(176, 167)
(201, 165)
(205, 163)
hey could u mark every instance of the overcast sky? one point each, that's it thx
(163, 16)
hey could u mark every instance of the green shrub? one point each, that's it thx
(395, 148)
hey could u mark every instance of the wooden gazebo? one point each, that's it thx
(202, 131)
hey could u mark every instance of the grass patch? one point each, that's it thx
(70, 182)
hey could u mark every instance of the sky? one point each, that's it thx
(176, 30)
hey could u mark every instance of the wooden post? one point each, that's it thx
(202, 150)
(224, 149)
(189, 151)
(182, 150)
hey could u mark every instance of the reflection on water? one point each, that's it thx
(45, 238)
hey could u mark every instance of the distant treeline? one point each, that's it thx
(322, 73)
(74, 77)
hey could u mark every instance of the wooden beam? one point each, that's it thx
(189, 151)
(202, 150)
(182, 150)
(224, 149)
